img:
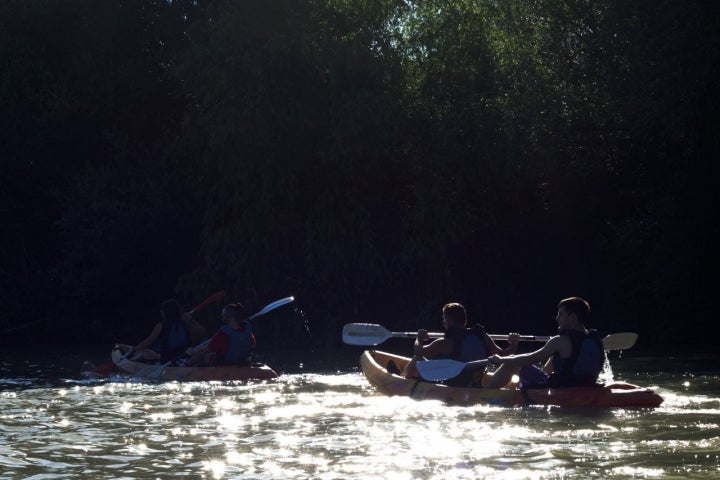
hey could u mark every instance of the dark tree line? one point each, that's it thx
(375, 159)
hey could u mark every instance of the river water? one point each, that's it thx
(322, 420)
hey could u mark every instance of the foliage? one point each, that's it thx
(375, 159)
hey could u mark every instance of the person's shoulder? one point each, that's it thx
(558, 340)
(478, 329)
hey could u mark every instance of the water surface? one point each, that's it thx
(322, 420)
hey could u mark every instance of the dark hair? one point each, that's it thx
(171, 309)
(234, 310)
(455, 314)
(578, 306)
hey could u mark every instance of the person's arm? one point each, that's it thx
(548, 367)
(551, 347)
(441, 346)
(196, 330)
(513, 340)
(197, 355)
(150, 339)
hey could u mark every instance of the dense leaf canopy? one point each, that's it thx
(375, 159)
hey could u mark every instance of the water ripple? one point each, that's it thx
(335, 426)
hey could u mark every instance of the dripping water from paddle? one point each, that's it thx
(300, 313)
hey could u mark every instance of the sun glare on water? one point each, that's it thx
(215, 467)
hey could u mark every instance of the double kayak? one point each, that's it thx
(255, 371)
(617, 394)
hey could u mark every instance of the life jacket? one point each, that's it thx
(468, 345)
(174, 339)
(584, 364)
(240, 344)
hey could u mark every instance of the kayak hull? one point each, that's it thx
(617, 394)
(255, 371)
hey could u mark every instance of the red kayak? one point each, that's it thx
(616, 394)
(256, 371)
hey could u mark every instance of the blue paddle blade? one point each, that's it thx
(273, 306)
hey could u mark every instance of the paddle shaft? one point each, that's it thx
(613, 341)
(373, 334)
(211, 299)
(524, 338)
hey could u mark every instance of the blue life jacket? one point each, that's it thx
(468, 345)
(240, 344)
(174, 339)
(584, 364)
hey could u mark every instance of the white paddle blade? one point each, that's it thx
(373, 334)
(364, 334)
(151, 371)
(437, 370)
(444, 369)
(619, 341)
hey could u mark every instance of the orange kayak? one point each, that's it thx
(256, 371)
(616, 394)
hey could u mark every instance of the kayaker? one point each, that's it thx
(575, 357)
(231, 344)
(171, 336)
(459, 343)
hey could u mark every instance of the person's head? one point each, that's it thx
(573, 312)
(232, 312)
(170, 310)
(454, 315)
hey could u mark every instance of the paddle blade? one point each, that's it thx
(619, 341)
(273, 306)
(364, 334)
(208, 301)
(437, 370)
(151, 371)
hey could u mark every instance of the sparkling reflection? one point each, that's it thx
(335, 426)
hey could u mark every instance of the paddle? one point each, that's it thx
(208, 301)
(154, 371)
(107, 368)
(371, 334)
(443, 369)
